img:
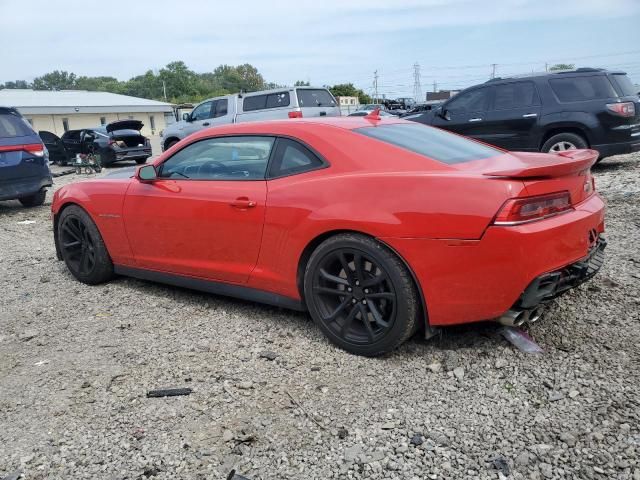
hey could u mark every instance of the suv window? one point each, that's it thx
(514, 95)
(624, 84)
(271, 100)
(71, 135)
(315, 98)
(431, 142)
(577, 89)
(202, 111)
(292, 157)
(224, 158)
(12, 125)
(473, 101)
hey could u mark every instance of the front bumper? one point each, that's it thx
(13, 189)
(553, 284)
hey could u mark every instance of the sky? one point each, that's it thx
(454, 42)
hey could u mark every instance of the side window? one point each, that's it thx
(223, 158)
(256, 102)
(515, 95)
(292, 157)
(275, 100)
(473, 101)
(576, 89)
(202, 111)
(221, 108)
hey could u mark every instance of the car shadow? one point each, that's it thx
(608, 165)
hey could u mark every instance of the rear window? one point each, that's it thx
(261, 102)
(577, 89)
(12, 125)
(315, 98)
(430, 142)
(624, 85)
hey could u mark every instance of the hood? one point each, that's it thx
(126, 172)
(124, 125)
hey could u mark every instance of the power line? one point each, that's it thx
(417, 89)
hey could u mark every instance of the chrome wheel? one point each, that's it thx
(562, 146)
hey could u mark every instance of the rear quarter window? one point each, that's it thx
(12, 125)
(624, 85)
(431, 142)
(315, 98)
(262, 102)
(578, 89)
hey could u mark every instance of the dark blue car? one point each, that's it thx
(24, 161)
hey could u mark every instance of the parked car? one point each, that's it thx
(297, 102)
(421, 107)
(114, 142)
(362, 113)
(550, 112)
(372, 106)
(291, 214)
(24, 161)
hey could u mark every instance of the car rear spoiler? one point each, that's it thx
(534, 165)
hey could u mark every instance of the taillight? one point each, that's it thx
(624, 109)
(295, 114)
(36, 149)
(516, 211)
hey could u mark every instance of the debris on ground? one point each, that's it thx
(169, 392)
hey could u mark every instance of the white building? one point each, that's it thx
(59, 111)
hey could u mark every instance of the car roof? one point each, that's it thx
(573, 72)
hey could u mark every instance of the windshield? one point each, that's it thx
(431, 142)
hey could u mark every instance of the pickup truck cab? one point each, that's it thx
(274, 104)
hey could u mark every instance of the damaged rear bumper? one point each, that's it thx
(553, 284)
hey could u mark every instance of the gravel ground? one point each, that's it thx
(273, 399)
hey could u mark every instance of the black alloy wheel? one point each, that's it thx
(361, 295)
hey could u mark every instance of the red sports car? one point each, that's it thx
(377, 227)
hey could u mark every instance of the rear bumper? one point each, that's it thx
(137, 154)
(24, 187)
(473, 280)
(610, 149)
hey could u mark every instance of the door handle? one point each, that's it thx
(475, 119)
(206, 124)
(529, 115)
(243, 203)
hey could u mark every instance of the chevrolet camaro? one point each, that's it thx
(377, 227)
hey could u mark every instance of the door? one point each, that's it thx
(200, 118)
(466, 113)
(220, 114)
(57, 152)
(203, 216)
(513, 119)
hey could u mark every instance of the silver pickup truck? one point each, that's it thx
(246, 107)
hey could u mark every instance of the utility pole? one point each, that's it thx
(164, 90)
(435, 86)
(546, 67)
(493, 70)
(417, 88)
(375, 86)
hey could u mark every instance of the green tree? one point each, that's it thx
(97, 83)
(15, 84)
(562, 66)
(349, 90)
(301, 83)
(56, 80)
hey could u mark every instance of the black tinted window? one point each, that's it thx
(292, 157)
(430, 142)
(221, 108)
(576, 89)
(473, 101)
(624, 85)
(514, 95)
(271, 100)
(226, 158)
(315, 98)
(202, 111)
(12, 125)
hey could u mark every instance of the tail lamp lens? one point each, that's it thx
(623, 109)
(36, 149)
(524, 210)
(295, 114)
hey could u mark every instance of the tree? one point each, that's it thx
(16, 84)
(301, 83)
(348, 90)
(56, 80)
(102, 84)
(562, 66)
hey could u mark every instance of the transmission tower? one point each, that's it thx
(375, 86)
(417, 89)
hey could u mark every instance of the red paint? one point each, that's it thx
(437, 217)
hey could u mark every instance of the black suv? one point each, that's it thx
(583, 108)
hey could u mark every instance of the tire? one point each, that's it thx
(170, 144)
(368, 311)
(82, 247)
(564, 141)
(141, 161)
(34, 200)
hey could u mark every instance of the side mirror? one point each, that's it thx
(444, 113)
(186, 117)
(146, 173)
